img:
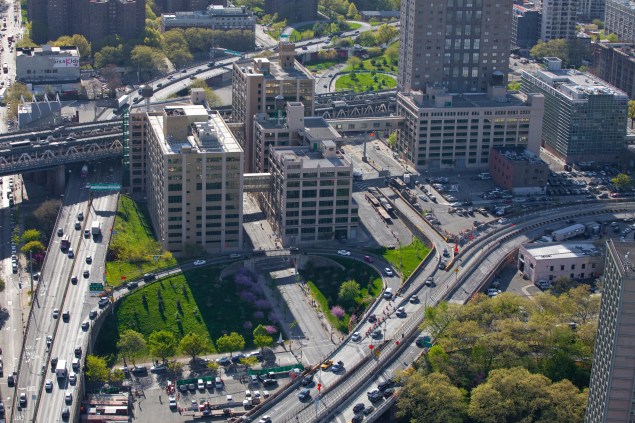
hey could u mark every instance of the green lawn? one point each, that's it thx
(208, 306)
(324, 283)
(296, 34)
(353, 25)
(406, 258)
(365, 82)
(318, 66)
(133, 247)
(379, 63)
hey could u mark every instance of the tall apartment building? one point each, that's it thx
(191, 166)
(455, 44)
(447, 131)
(585, 118)
(94, 19)
(214, 17)
(615, 64)
(620, 19)
(293, 10)
(558, 20)
(525, 27)
(312, 195)
(588, 10)
(263, 86)
(612, 385)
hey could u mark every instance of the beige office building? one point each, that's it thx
(263, 86)
(193, 178)
(311, 197)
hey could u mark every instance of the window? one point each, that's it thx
(175, 198)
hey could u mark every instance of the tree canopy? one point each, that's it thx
(622, 181)
(230, 343)
(194, 344)
(96, 369)
(432, 398)
(131, 344)
(162, 344)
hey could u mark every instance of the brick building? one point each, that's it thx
(518, 170)
(615, 64)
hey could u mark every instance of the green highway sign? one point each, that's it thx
(105, 187)
(96, 287)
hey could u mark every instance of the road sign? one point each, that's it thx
(96, 287)
(105, 187)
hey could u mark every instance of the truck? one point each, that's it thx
(60, 369)
(65, 243)
(5, 67)
(406, 178)
(123, 101)
(568, 232)
(84, 171)
(95, 228)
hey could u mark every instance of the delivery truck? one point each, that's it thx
(95, 228)
(60, 370)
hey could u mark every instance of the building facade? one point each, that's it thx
(585, 118)
(591, 9)
(456, 45)
(458, 131)
(611, 398)
(46, 64)
(550, 261)
(558, 20)
(312, 195)
(263, 86)
(193, 178)
(518, 171)
(615, 64)
(525, 27)
(293, 10)
(620, 20)
(214, 17)
(169, 6)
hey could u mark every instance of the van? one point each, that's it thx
(86, 233)
(92, 314)
(218, 383)
(75, 364)
(388, 293)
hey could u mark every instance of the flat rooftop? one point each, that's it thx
(276, 72)
(309, 159)
(519, 154)
(576, 85)
(625, 255)
(47, 50)
(469, 100)
(542, 251)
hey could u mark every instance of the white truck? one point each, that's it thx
(60, 370)
(95, 228)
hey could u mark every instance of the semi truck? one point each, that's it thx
(95, 228)
(60, 370)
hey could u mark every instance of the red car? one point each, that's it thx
(368, 259)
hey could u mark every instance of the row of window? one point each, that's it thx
(313, 193)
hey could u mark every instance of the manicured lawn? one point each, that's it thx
(377, 64)
(317, 66)
(324, 283)
(406, 258)
(365, 82)
(207, 306)
(296, 34)
(353, 25)
(133, 250)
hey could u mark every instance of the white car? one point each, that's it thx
(502, 221)
(68, 397)
(172, 402)
(56, 313)
(492, 292)
(388, 271)
(72, 378)
(356, 337)
(48, 385)
(201, 385)
(343, 252)
(199, 262)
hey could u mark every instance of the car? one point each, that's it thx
(132, 285)
(502, 221)
(23, 400)
(376, 334)
(356, 337)
(307, 380)
(401, 312)
(265, 419)
(191, 386)
(423, 341)
(492, 292)
(86, 274)
(382, 386)
(200, 385)
(368, 259)
(325, 86)
(374, 395)
(269, 382)
(343, 252)
(224, 361)
(172, 402)
(357, 418)
(89, 259)
(237, 357)
(337, 367)
(369, 410)
(388, 271)
(192, 77)
(305, 393)
(389, 392)
(183, 388)
(11, 379)
(414, 299)
(199, 262)
(49, 340)
(139, 370)
(70, 253)
(78, 225)
(48, 385)
(446, 253)
(103, 302)
(78, 351)
(66, 413)
(56, 313)
(372, 318)
(442, 265)
(66, 316)
(80, 216)
(74, 280)
(159, 368)
(184, 71)
(326, 364)
(60, 231)
(68, 397)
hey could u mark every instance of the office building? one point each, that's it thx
(620, 20)
(192, 166)
(588, 10)
(214, 17)
(585, 118)
(558, 20)
(455, 45)
(47, 65)
(550, 261)
(518, 170)
(291, 128)
(312, 195)
(448, 131)
(615, 64)
(263, 86)
(525, 26)
(293, 10)
(169, 6)
(611, 398)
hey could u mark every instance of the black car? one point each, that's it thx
(269, 382)
(53, 362)
(385, 384)
(139, 370)
(357, 418)
(389, 392)
(372, 318)
(11, 379)
(308, 379)
(359, 407)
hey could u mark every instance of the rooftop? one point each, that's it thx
(47, 50)
(624, 48)
(309, 159)
(625, 255)
(467, 100)
(519, 154)
(562, 250)
(212, 11)
(258, 66)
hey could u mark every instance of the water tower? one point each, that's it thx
(147, 92)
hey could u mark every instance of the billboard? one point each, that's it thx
(66, 62)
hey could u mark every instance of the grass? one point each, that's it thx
(324, 284)
(208, 306)
(365, 82)
(406, 258)
(317, 66)
(296, 34)
(376, 64)
(132, 229)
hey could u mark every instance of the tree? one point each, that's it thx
(76, 40)
(432, 398)
(352, 12)
(112, 76)
(147, 59)
(213, 366)
(212, 98)
(513, 86)
(631, 112)
(392, 140)
(230, 343)
(263, 341)
(338, 312)
(249, 362)
(14, 95)
(612, 38)
(31, 235)
(622, 181)
(96, 369)
(562, 285)
(194, 344)
(131, 344)
(385, 33)
(349, 290)
(3, 285)
(109, 55)
(552, 48)
(162, 344)
(32, 247)
(367, 39)
(392, 52)
(599, 23)
(354, 62)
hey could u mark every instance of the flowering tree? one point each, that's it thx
(271, 329)
(338, 312)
